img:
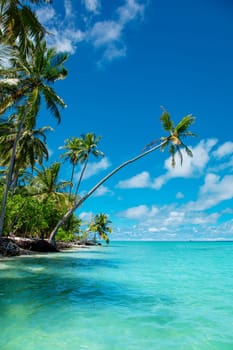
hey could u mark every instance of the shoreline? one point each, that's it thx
(18, 246)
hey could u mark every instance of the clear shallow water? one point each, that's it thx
(127, 296)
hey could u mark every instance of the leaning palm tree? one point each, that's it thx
(100, 225)
(176, 134)
(36, 71)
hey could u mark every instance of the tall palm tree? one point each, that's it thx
(88, 146)
(72, 154)
(36, 71)
(176, 133)
(100, 225)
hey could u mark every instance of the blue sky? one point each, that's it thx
(127, 59)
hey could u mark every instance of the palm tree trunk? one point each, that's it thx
(93, 189)
(9, 177)
(81, 175)
(71, 179)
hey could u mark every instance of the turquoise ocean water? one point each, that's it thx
(126, 296)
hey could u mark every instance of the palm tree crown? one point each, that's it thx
(176, 133)
(32, 75)
(19, 23)
(46, 184)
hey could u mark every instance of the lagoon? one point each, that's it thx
(125, 296)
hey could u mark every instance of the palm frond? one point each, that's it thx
(53, 101)
(184, 124)
(166, 121)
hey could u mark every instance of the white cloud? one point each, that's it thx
(68, 8)
(205, 219)
(46, 14)
(224, 150)
(86, 216)
(105, 36)
(191, 167)
(95, 168)
(105, 32)
(141, 180)
(92, 5)
(214, 191)
(173, 222)
(179, 195)
(130, 11)
(139, 212)
(112, 52)
(101, 191)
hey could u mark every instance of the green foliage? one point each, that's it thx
(24, 216)
(28, 216)
(65, 236)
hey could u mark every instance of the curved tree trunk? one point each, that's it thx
(93, 189)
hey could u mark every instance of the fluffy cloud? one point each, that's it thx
(92, 5)
(191, 167)
(172, 222)
(105, 32)
(224, 150)
(214, 191)
(46, 14)
(129, 11)
(106, 35)
(141, 180)
(95, 168)
(102, 191)
(139, 212)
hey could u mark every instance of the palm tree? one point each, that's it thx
(19, 23)
(100, 225)
(72, 147)
(176, 133)
(46, 185)
(79, 151)
(31, 148)
(174, 141)
(33, 75)
(88, 146)
(36, 71)
(50, 191)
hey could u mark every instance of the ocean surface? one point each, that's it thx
(125, 296)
